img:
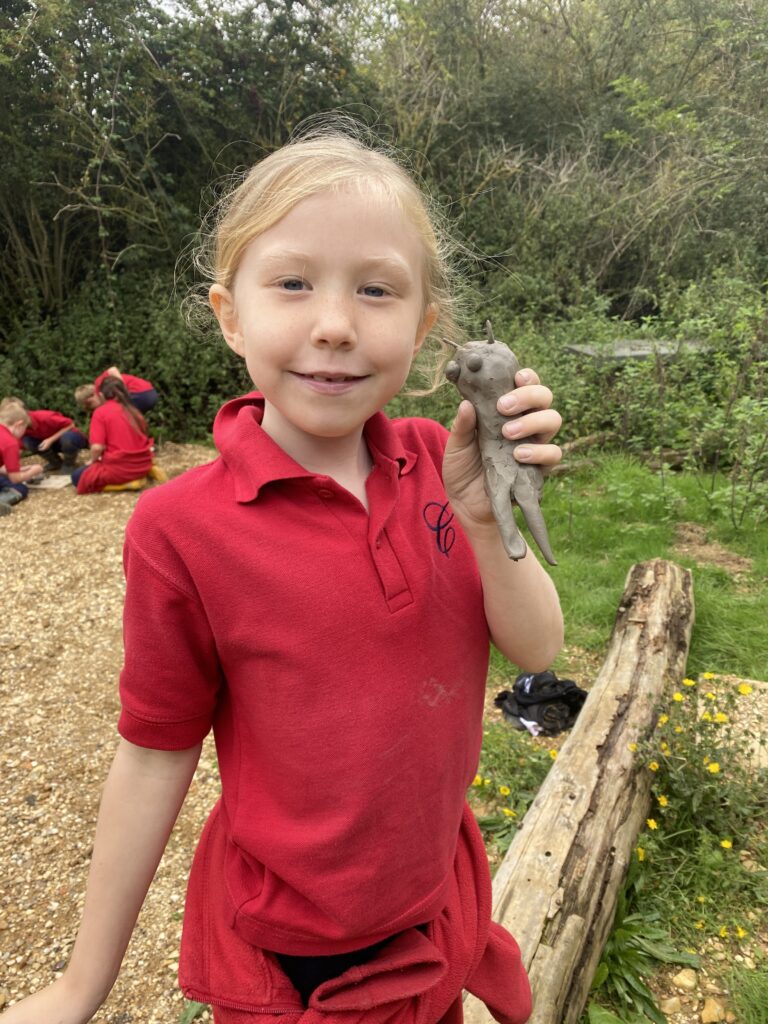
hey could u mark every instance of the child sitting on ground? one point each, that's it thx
(14, 421)
(52, 435)
(121, 448)
(143, 394)
(293, 596)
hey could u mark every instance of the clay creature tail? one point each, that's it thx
(534, 520)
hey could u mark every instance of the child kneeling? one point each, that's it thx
(121, 448)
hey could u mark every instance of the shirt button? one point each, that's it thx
(324, 492)
(378, 543)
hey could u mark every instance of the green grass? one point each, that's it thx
(749, 994)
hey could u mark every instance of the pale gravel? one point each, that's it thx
(60, 654)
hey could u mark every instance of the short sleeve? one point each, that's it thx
(9, 456)
(171, 674)
(97, 431)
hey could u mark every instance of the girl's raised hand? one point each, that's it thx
(462, 467)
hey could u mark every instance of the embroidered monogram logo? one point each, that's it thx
(438, 520)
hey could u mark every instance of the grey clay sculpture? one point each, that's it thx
(483, 371)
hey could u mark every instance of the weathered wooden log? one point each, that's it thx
(557, 887)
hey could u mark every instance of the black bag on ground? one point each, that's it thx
(541, 698)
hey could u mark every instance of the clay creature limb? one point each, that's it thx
(485, 374)
(519, 597)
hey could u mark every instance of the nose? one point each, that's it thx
(334, 324)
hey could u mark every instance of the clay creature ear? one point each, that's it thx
(489, 332)
(474, 362)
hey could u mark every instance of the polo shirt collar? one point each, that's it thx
(255, 460)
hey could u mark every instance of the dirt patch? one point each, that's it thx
(692, 541)
(60, 654)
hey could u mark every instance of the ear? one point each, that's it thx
(223, 305)
(427, 323)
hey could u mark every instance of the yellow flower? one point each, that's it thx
(678, 728)
(508, 813)
(723, 933)
(706, 717)
(663, 802)
(553, 753)
(632, 747)
(713, 767)
(701, 899)
(652, 824)
(745, 689)
(689, 682)
(707, 675)
(477, 781)
(664, 748)
(678, 696)
(710, 696)
(726, 844)
(721, 717)
(699, 925)
(486, 782)
(654, 766)
(663, 719)
(505, 790)
(740, 932)
(640, 853)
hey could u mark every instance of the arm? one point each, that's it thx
(20, 475)
(95, 453)
(114, 372)
(142, 797)
(521, 603)
(46, 443)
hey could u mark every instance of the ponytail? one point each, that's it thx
(113, 387)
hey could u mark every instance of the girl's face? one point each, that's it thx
(328, 311)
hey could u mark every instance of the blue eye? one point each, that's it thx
(293, 284)
(374, 291)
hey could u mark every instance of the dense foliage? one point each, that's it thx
(602, 162)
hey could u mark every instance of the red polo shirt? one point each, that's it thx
(111, 426)
(132, 384)
(46, 422)
(9, 450)
(340, 657)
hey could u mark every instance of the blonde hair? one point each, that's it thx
(329, 159)
(12, 411)
(83, 393)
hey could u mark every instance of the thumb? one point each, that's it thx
(463, 427)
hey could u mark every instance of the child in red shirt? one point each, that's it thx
(121, 449)
(142, 392)
(14, 420)
(293, 596)
(54, 436)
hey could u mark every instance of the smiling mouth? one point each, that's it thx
(330, 378)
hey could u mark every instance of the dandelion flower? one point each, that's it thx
(505, 790)
(632, 747)
(508, 813)
(654, 766)
(740, 932)
(745, 689)
(663, 801)
(652, 824)
(706, 717)
(726, 844)
(701, 899)
(486, 782)
(723, 933)
(713, 767)
(689, 682)
(640, 853)
(664, 748)
(553, 753)
(721, 717)
(678, 728)
(677, 696)
(710, 696)
(663, 719)
(707, 675)
(699, 925)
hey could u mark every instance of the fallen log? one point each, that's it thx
(557, 887)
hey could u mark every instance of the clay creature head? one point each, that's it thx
(483, 370)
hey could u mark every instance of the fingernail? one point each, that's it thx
(523, 453)
(524, 375)
(508, 403)
(511, 429)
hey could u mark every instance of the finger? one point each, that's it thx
(522, 399)
(526, 376)
(463, 428)
(540, 426)
(538, 454)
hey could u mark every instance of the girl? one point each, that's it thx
(301, 596)
(121, 449)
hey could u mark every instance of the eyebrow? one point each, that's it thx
(390, 264)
